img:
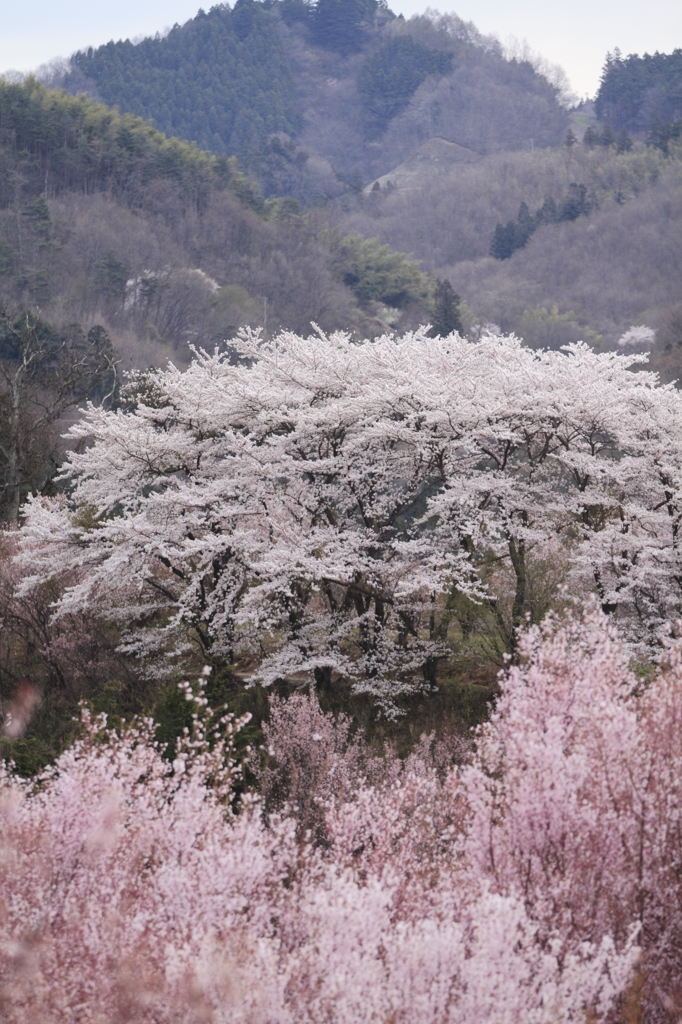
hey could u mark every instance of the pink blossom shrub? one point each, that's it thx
(539, 883)
(574, 798)
(312, 759)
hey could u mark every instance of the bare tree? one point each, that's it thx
(43, 373)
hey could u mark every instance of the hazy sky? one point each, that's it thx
(575, 35)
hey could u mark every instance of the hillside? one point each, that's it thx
(418, 135)
(105, 220)
(343, 81)
(609, 256)
(222, 79)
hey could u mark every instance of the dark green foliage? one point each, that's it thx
(624, 142)
(222, 79)
(14, 330)
(607, 137)
(570, 138)
(352, 181)
(44, 371)
(635, 91)
(662, 133)
(339, 24)
(591, 137)
(504, 241)
(446, 313)
(231, 79)
(576, 204)
(62, 356)
(389, 77)
(295, 11)
(375, 272)
(55, 143)
(284, 169)
(111, 276)
(514, 234)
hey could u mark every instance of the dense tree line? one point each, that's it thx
(515, 233)
(662, 133)
(52, 142)
(635, 91)
(592, 137)
(221, 79)
(389, 78)
(341, 24)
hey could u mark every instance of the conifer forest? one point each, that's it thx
(340, 528)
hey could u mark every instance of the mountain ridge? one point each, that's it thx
(232, 78)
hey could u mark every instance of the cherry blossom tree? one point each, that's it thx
(308, 506)
(573, 797)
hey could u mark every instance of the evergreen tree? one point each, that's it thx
(338, 24)
(608, 136)
(389, 77)
(514, 234)
(661, 133)
(635, 91)
(591, 137)
(504, 241)
(111, 276)
(577, 203)
(447, 317)
(548, 213)
(624, 142)
(197, 82)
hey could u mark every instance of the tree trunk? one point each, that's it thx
(13, 471)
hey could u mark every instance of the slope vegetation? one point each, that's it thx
(344, 80)
(105, 220)
(604, 250)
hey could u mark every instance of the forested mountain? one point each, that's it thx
(344, 80)
(52, 143)
(464, 146)
(595, 244)
(105, 220)
(223, 79)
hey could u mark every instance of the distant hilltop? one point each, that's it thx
(285, 83)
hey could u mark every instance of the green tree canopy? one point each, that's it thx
(338, 24)
(389, 78)
(54, 142)
(635, 91)
(446, 313)
(375, 272)
(222, 79)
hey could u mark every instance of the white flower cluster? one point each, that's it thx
(313, 503)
